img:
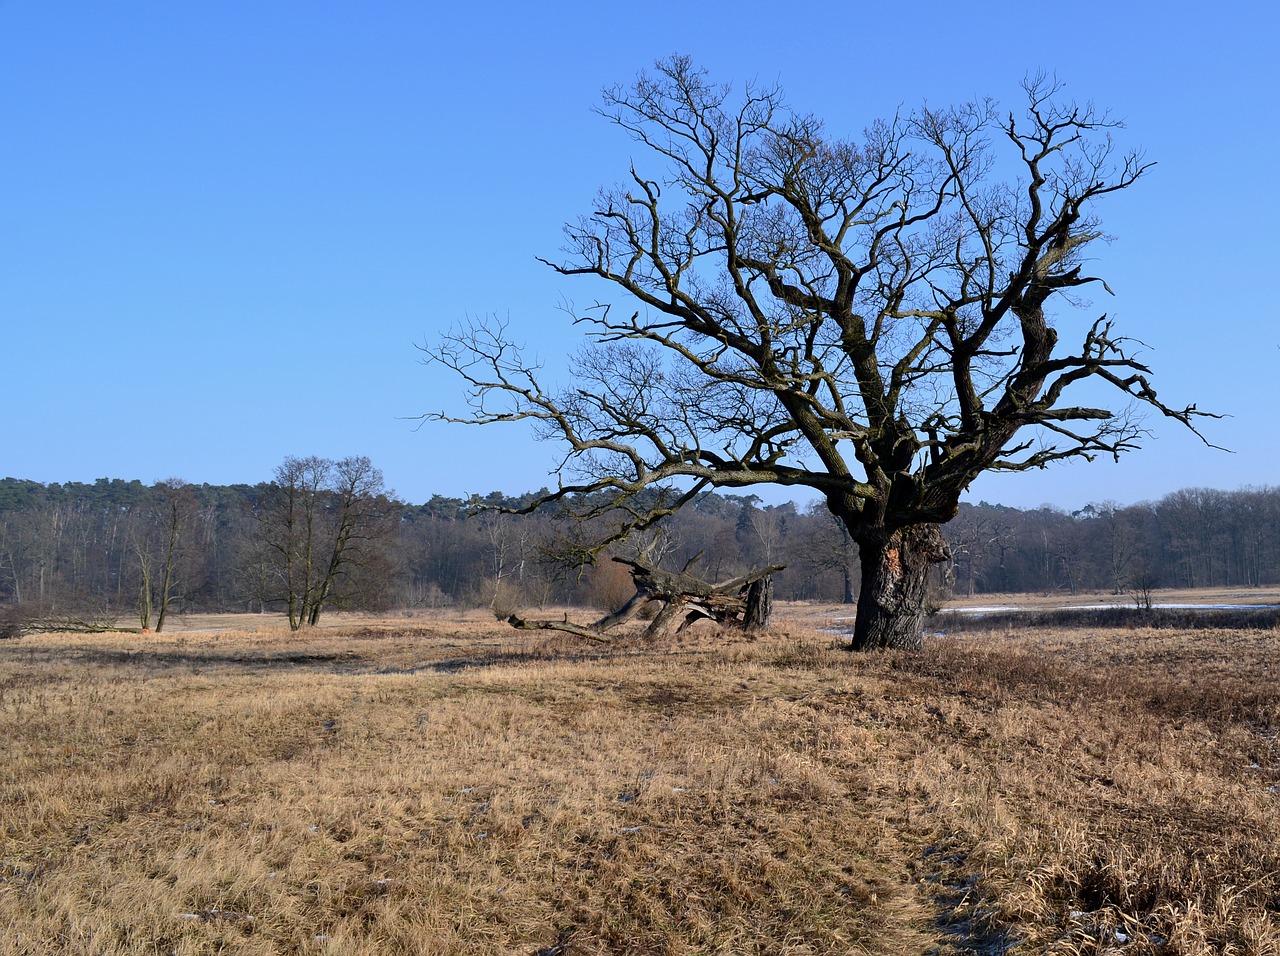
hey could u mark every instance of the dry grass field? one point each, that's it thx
(447, 785)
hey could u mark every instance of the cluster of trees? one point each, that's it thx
(328, 535)
(1193, 538)
(314, 537)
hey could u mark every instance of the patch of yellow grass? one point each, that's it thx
(448, 785)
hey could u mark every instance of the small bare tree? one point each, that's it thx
(158, 544)
(875, 320)
(322, 519)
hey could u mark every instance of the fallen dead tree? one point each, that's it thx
(745, 601)
(15, 622)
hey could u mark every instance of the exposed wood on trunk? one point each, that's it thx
(895, 583)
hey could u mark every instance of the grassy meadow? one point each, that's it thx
(444, 784)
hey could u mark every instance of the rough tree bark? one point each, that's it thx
(759, 604)
(895, 582)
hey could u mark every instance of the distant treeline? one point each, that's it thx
(83, 549)
(1193, 538)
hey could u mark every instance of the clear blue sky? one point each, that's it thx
(224, 226)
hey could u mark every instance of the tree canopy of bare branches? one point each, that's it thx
(323, 521)
(876, 319)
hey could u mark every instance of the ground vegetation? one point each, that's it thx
(438, 784)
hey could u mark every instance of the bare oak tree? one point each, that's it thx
(876, 320)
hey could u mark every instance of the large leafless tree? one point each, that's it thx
(875, 319)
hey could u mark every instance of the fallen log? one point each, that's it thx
(745, 601)
(518, 622)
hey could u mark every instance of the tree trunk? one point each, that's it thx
(144, 593)
(759, 604)
(170, 560)
(895, 581)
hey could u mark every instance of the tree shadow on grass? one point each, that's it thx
(148, 661)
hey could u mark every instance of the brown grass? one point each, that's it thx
(447, 785)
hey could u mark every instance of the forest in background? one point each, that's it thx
(98, 550)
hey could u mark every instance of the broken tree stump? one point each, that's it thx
(759, 604)
(745, 601)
